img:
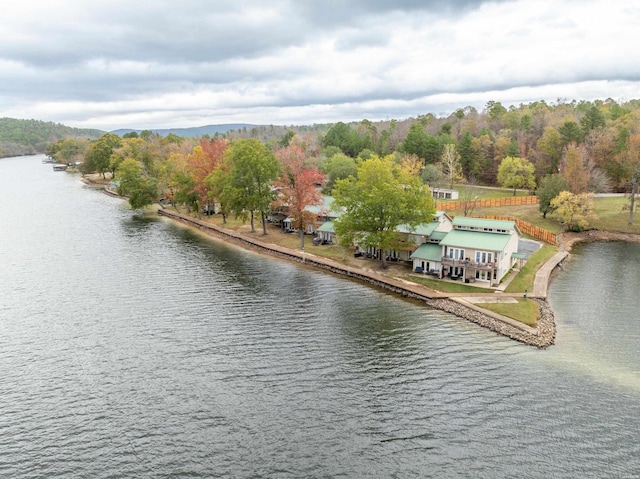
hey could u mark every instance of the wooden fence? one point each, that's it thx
(487, 203)
(529, 229)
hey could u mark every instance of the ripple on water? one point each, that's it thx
(134, 348)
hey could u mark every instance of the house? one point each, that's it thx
(444, 194)
(412, 237)
(478, 249)
(326, 233)
(321, 213)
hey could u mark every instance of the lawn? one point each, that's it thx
(524, 280)
(526, 311)
(447, 286)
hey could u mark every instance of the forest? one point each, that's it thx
(579, 147)
(28, 137)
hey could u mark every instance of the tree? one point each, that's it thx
(432, 175)
(382, 197)
(515, 172)
(99, 155)
(451, 164)
(550, 151)
(202, 161)
(593, 118)
(630, 160)
(574, 211)
(141, 189)
(570, 133)
(573, 170)
(339, 166)
(253, 168)
(550, 187)
(299, 185)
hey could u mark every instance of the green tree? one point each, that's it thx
(338, 167)
(630, 161)
(383, 196)
(550, 151)
(550, 187)
(570, 132)
(416, 141)
(98, 157)
(141, 189)
(253, 169)
(515, 172)
(593, 118)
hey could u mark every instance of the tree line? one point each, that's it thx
(28, 137)
(578, 147)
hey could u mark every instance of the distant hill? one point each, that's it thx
(28, 137)
(194, 132)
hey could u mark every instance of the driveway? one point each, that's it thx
(528, 247)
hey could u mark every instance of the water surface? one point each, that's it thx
(132, 347)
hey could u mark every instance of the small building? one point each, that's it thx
(444, 194)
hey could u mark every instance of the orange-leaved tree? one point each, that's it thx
(299, 187)
(202, 161)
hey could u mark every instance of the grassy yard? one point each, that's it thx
(447, 286)
(526, 311)
(524, 280)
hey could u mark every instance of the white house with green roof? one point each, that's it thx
(479, 249)
(411, 238)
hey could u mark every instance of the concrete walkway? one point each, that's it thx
(541, 281)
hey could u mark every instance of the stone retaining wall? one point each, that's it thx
(542, 336)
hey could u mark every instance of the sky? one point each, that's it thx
(169, 64)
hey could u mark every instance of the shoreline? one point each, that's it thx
(542, 336)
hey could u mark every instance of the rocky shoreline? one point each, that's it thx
(542, 336)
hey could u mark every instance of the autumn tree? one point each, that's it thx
(516, 172)
(382, 197)
(299, 187)
(573, 170)
(574, 211)
(550, 187)
(451, 164)
(202, 161)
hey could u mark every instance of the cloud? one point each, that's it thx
(115, 64)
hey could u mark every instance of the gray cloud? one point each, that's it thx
(113, 62)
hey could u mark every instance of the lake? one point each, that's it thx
(133, 347)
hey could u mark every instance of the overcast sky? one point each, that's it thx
(116, 64)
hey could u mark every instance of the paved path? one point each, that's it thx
(541, 281)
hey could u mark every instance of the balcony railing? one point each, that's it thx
(465, 263)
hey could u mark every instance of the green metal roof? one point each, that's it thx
(326, 227)
(425, 229)
(428, 252)
(438, 235)
(476, 240)
(324, 208)
(482, 223)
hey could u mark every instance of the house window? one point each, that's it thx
(456, 253)
(483, 257)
